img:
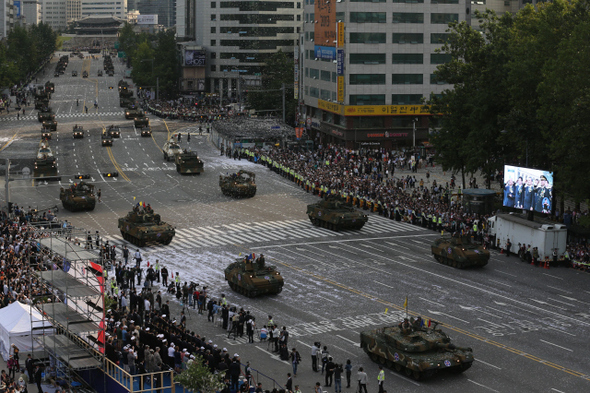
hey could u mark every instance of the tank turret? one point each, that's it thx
(238, 185)
(460, 252)
(416, 350)
(253, 277)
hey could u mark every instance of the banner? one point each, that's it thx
(147, 19)
(373, 110)
(340, 89)
(325, 29)
(340, 62)
(194, 58)
(340, 34)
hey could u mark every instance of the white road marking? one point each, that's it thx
(483, 386)
(304, 344)
(558, 346)
(275, 357)
(404, 378)
(488, 364)
(447, 315)
(344, 350)
(559, 289)
(431, 301)
(558, 391)
(549, 275)
(501, 283)
(561, 331)
(388, 286)
(508, 274)
(346, 339)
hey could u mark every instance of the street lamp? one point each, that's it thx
(414, 121)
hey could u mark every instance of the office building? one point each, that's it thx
(53, 12)
(165, 9)
(31, 10)
(73, 10)
(116, 8)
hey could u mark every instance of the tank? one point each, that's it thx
(335, 214)
(171, 148)
(41, 103)
(44, 164)
(141, 226)
(188, 163)
(417, 351)
(78, 197)
(253, 277)
(460, 252)
(238, 185)
(78, 132)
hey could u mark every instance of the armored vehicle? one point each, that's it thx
(45, 114)
(56, 74)
(253, 277)
(115, 131)
(141, 226)
(171, 149)
(110, 72)
(238, 185)
(85, 74)
(141, 121)
(335, 214)
(106, 139)
(41, 103)
(78, 132)
(50, 124)
(416, 350)
(78, 197)
(188, 163)
(132, 112)
(459, 251)
(50, 87)
(45, 132)
(74, 73)
(99, 73)
(45, 162)
(124, 102)
(147, 131)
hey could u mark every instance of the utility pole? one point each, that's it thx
(283, 89)
(7, 191)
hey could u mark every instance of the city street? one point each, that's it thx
(528, 326)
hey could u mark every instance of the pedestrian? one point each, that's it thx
(329, 371)
(381, 379)
(348, 369)
(338, 378)
(137, 257)
(362, 378)
(179, 137)
(325, 355)
(295, 359)
(297, 390)
(85, 109)
(99, 194)
(318, 388)
(97, 239)
(30, 366)
(289, 384)
(315, 349)
(188, 138)
(125, 254)
(164, 276)
(38, 373)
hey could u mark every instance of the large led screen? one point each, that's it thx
(528, 189)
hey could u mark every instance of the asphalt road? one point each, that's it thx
(528, 326)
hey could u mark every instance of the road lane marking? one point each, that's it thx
(117, 167)
(388, 286)
(555, 345)
(432, 301)
(350, 341)
(344, 350)
(488, 364)
(552, 276)
(501, 283)
(561, 331)
(483, 386)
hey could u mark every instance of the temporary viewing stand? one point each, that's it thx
(76, 282)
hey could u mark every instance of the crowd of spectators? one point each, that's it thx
(204, 111)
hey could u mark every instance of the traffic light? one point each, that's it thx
(111, 174)
(81, 177)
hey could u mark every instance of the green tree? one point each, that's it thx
(22, 51)
(128, 40)
(198, 378)
(167, 63)
(278, 70)
(142, 65)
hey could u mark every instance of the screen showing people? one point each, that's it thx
(528, 189)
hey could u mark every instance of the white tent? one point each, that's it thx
(17, 320)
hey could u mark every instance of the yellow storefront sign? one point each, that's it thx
(340, 34)
(340, 89)
(371, 110)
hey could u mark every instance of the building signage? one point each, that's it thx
(17, 5)
(147, 19)
(340, 62)
(340, 89)
(387, 135)
(194, 58)
(337, 133)
(325, 29)
(374, 110)
(340, 34)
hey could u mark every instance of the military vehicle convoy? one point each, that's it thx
(336, 215)
(50, 87)
(78, 197)
(416, 350)
(253, 277)
(45, 132)
(44, 164)
(460, 252)
(238, 185)
(188, 163)
(171, 149)
(132, 112)
(78, 132)
(141, 226)
(50, 124)
(141, 121)
(45, 114)
(85, 74)
(74, 73)
(106, 139)
(146, 131)
(115, 131)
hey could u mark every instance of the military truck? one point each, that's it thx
(252, 277)
(335, 214)
(74, 73)
(50, 124)
(132, 112)
(141, 121)
(141, 226)
(106, 138)
(238, 185)
(85, 74)
(99, 73)
(50, 87)
(146, 131)
(115, 131)
(45, 132)
(78, 197)
(459, 251)
(41, 103)
(110, 72)
(171, 149)
(44, 164)
(415, 349)
(188, 163)
(78, 132)
(45, 114)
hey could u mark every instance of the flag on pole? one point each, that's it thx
(429, 320)
(133, 198)
(406, 303)
(386, 310)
